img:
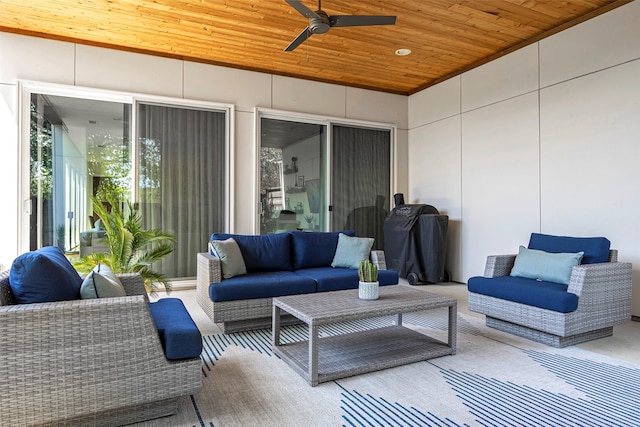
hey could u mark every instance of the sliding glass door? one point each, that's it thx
(319, 175)
(81, 144)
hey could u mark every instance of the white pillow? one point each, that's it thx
(230, 256)
(351, 250)
(101, 283)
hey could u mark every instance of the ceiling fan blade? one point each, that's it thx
(360, 20)
(302, 9)
(305, 34)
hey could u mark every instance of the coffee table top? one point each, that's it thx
(341, 306)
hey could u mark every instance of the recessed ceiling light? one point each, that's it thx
(403, 52)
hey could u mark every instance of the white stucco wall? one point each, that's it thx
(35, 59)
(546, 139)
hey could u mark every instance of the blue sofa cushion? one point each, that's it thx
(547, 295)
(44, 275)
(269, 252)
(316, 248)
(336, 279)
(596, 249)
(179, 335)
(261, 285)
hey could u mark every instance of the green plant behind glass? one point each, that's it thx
(132, 249)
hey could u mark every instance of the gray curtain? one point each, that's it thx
(361, 165)
(182, 179)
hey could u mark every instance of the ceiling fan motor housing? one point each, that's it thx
(320, 24)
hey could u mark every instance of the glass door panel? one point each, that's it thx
(182, 178)
(292, 176)
(361, 180)
(78, 148)
(81, 145)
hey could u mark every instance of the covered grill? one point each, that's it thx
(415, 242)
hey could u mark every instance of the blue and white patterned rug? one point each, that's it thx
(495, 379)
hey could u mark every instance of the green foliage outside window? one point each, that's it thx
(132, 249)
(41, 152)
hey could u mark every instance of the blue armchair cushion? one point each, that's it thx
(265, 284)
(351, 250)
(179, 335)
(44, 275)
(337, 279)
(541, 265)
(269, 252)
(596, 249)
(546, 295)
(316, 248)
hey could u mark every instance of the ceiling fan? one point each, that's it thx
(320, 22)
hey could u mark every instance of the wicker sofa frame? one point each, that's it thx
(604, 300)
(246, 314)
(87, 362)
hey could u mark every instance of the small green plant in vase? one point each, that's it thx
(368, 288)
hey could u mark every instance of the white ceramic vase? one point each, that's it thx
(368, 290)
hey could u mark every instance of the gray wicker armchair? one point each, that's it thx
(87, 362)
(604, 300)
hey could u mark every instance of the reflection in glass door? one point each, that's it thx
(361, 180)
(78, 148)
(292, 176)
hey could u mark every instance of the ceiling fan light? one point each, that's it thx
(403, 52)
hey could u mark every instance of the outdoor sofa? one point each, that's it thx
(102, 361)
(295, 262)
(559, 290)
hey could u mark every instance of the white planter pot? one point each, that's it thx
(368, 290)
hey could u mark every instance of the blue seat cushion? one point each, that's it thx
(387, 277)
(316, 248)
(596, 249)
(44, 275)
(179, 335)
(536, 293)
(269, 252)
(261, 285)
(337, 279)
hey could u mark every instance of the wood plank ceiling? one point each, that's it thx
(446, 37)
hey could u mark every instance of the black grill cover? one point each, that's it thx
(415, 241)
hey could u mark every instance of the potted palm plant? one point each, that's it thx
(132, 249)
(368, 287)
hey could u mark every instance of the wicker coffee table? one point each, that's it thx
(324, 359)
